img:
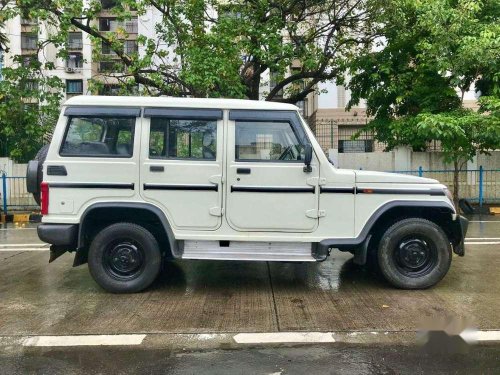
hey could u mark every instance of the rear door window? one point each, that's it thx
(99, 137)
(183, 139)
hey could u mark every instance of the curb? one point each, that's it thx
(21, 218)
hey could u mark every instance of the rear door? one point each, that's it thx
(181, 169)
(267, 187)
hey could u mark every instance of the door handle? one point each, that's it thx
(243, 171)
(157, 168)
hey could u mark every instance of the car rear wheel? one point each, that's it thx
(124, 258)
(414, 254)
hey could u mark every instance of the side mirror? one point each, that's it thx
(308, 153)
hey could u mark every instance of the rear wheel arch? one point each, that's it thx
(100, 215)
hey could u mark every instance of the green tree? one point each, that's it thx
(428, 51)
(222, 49)
(29, 108)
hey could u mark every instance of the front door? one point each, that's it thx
(267, 187)
(181, 169)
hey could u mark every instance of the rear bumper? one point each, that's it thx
(60, 235)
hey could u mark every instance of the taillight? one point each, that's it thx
(44, 198)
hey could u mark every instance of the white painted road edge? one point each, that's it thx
(283, 337)
(239, 338)
(84, 340)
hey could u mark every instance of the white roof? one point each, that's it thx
(163, 101)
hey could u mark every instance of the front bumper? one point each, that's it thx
(459, 246)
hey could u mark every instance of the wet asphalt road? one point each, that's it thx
(231, 297)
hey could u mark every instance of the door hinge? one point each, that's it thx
(216, 211)
(314, 181)
(315, 214)
(216, 179)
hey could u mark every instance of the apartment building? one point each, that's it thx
(81, 66)
(75, 70)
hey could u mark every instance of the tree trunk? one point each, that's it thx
(456, 175)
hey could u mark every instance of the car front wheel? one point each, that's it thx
(414, 253)
(124, 258)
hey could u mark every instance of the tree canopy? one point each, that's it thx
(209, 48)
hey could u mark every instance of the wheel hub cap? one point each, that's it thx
(414, 253)
(125, 258)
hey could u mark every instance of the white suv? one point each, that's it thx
(128, 182)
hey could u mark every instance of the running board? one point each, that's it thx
(239, 250)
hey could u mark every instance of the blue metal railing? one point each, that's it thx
(14, 195)
(477, 185)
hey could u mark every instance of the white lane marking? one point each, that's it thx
(17, 229)
(24, 250)
(482, 243)
(488, 335)
(484, 221)
(482, 238)
(38, 244)
(283, 337)
(84, 340)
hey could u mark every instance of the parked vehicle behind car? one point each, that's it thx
(129, 182)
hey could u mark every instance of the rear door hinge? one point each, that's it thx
(216, 211)
(315, 214)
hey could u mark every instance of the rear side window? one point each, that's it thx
(182, 139)
(99, 137)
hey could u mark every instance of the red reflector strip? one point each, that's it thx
(367, 191)
(44, 198)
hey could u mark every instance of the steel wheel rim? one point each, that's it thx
(415, 256)
(123, 259)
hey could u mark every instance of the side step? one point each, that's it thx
(239, 250)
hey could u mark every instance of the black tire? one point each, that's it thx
(124, 258)
(40, 156)
(414, 254)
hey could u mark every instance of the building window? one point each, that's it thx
(111, 24)
(272, 84)
(29, 41)
(107, 24)
(74, 61)
(108, 4)
(74, 86)
(111, 67)
(30, 85)
(109, 90)
(75, 41)
(28, 21)
(131, 26)
(363, 143)
(106, 49)
(27, 60)
(130, 47)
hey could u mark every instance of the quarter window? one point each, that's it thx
(267, 141)
(99, 137)
(183, 139)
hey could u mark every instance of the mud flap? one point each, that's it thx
(56, 252)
